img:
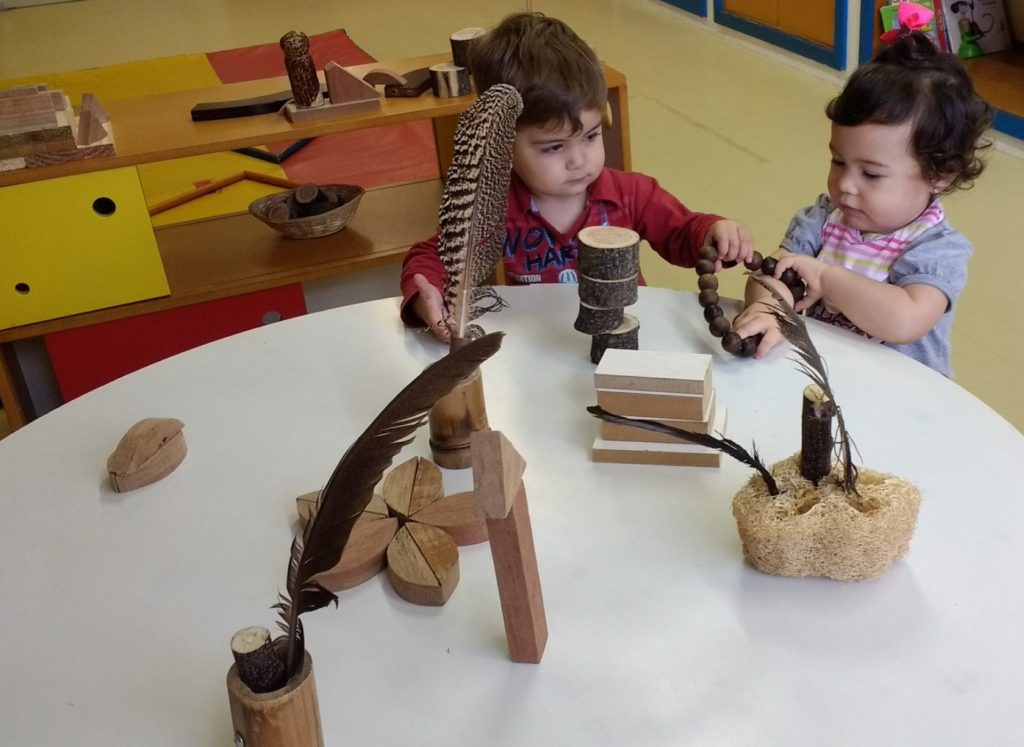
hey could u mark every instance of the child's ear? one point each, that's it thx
(606, 118)
(939, 185)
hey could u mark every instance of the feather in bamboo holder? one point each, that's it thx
(267, 209)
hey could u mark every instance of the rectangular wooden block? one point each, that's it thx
(678, 454)
(617, 432)
(657, 405)
(654, 371)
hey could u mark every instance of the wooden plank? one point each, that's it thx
(654, 404)
(654, 371)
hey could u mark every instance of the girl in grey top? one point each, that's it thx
(876, 253)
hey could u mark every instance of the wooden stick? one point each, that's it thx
(816, 434)
(219, 184)
(259, 666)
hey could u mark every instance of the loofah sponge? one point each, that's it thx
(823, 531)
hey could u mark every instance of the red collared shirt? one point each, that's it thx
(535, 252)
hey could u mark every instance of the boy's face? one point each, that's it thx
(554, 162)
(875, 180)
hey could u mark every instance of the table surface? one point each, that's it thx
(118, 608)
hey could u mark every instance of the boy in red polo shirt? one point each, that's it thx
(559, 181)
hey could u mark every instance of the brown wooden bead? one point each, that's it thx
(708, 252)
(705, 266)
(799, 290)
(754, 263)
(707, 282)
(719, 326)
(727, 263)
(749, 346)
(732, 342)
(789, 276)
(707, 298)
(768, 265)
(710, 312)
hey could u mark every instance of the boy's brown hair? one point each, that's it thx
(555, 71)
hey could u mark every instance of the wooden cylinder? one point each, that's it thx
(453, 419)
(259, 666)
(816, 434)
(608, 293)
(624, 337)
(608, 253)
(448, 80)
(592, 321)
(460, 41)
(288, 717)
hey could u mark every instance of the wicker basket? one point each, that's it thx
(311, 226)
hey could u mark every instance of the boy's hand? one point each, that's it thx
(429, 307)
(732, 239)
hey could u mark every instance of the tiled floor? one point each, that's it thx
(730, 126)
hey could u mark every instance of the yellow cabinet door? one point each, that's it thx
(75, 244)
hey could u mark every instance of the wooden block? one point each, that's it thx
(29, 90)
(449, 81)
(305, 507)
(149, 451)
(678, 454)
(90, 128)
(515, 567)
(616, 432)
(624, 337)
(411, 486)
(423, 564)
(674, 455)
(608, 252)
(92, 104)
(365, 553)
(608, 294)
(458, 514)
(654, 371)
(343, 86)
(633, 404)
(299, 114)
(497, 472)
(593, 321)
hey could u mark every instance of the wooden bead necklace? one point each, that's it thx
(707, 282)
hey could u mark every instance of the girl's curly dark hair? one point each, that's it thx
(912, 80)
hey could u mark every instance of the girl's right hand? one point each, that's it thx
(756, 319)
(429, 307)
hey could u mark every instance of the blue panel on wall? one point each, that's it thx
(833, 57)
(697, 7)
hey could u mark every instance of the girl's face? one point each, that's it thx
(554, 162)
(875, 180)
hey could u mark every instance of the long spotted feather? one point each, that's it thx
(473, 206)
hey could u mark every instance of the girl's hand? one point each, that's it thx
(732, 239)
(810, 270)
(429, 307)
(757, 319)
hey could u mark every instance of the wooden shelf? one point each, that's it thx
(235, 254)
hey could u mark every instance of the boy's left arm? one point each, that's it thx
(676, 232)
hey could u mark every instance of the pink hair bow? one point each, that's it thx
(911, 17)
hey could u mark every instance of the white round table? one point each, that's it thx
(118, 608)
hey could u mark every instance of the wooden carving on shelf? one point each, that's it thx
(811, 515)
(261, 706)
(472, 219)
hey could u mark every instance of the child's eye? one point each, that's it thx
(592, 136)
(551, 148)
(872, 176)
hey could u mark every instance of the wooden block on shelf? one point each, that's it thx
(659, 405)
(654, 371)
(347, 93)
(616, 432)
(678, 454)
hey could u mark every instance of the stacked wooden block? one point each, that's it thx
(674, 389)
(609, 270)
(39, 127)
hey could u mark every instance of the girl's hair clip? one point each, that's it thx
(911, 17)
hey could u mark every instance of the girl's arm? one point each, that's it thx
(888, 312)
